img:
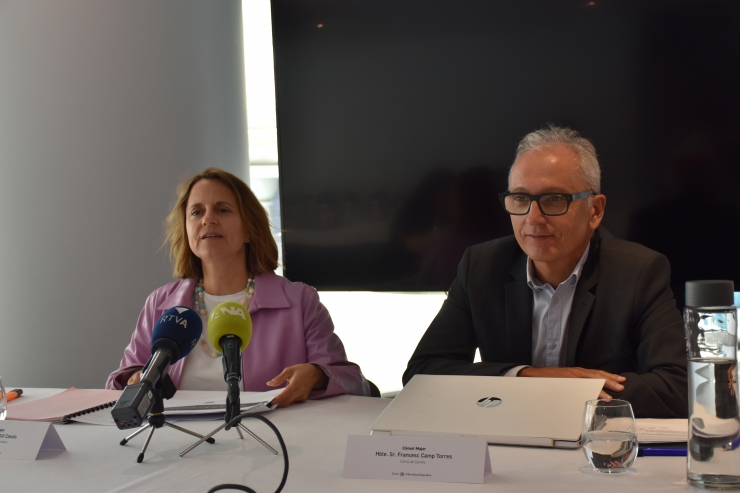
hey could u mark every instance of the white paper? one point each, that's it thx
(662, 430)
(404, 458)
(203, 415)
(25, 439)
(214, 402)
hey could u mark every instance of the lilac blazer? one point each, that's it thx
(289, 326)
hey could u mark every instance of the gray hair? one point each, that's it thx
(588, 162)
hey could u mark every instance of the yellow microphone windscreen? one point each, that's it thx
(229, 318)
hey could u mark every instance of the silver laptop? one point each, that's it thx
(540, 412)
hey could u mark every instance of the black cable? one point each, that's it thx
(227, 486)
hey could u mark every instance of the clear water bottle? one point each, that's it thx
(710, 322)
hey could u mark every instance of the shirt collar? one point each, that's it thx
(268, 292)
(535, 284)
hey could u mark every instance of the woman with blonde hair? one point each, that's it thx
(222, 250)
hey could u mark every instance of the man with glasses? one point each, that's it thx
(562, 297)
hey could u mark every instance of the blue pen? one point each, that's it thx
(661, 452)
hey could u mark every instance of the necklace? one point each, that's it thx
(199, 305)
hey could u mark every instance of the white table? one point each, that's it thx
(315, 434)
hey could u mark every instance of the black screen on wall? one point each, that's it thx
(398, 121)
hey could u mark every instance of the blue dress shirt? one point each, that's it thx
(550, 312)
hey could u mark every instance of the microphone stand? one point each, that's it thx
(233, 410)
(157, 418)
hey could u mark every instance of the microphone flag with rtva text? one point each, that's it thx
(178, 330)
(175, 334)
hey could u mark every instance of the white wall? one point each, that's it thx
(104, 107)
(380, 331)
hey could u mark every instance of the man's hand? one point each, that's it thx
(302, 379)
(613, 382)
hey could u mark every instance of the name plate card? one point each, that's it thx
(448, 460)
(26, 439)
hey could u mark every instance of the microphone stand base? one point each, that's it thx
(253, 435)
(155, 422)
(239, 426)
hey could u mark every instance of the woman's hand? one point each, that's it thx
(135, 378)
(302, 379)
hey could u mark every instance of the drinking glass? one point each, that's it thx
(3, 401)
(609, 435)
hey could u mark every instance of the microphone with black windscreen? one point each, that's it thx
(176, 333)
(230, 330)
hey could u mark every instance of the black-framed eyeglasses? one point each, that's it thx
(550, 204)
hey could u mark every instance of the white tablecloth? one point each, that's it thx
(315, 434)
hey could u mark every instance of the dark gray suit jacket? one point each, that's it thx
(623, 320)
